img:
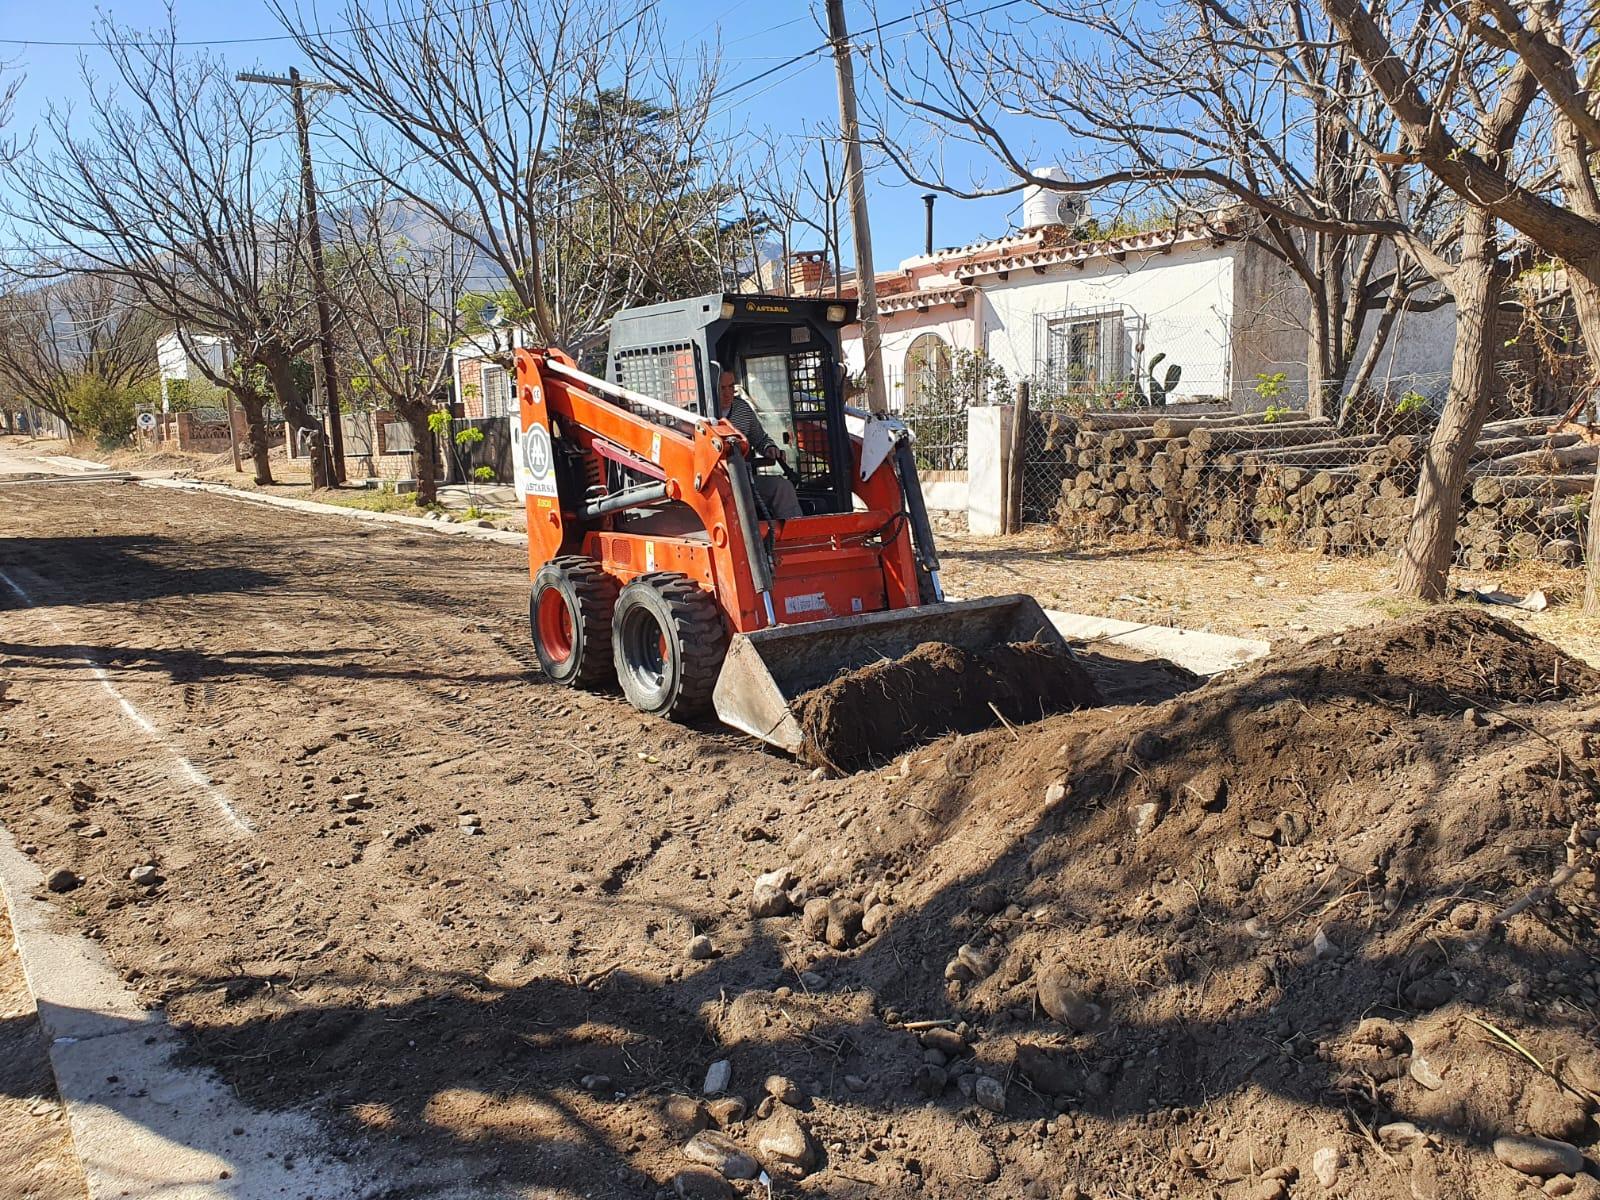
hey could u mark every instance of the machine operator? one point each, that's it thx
(776, 493)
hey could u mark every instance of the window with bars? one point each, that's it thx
(495, 383)
(1087, 351)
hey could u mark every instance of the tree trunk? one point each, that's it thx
(1317, 365)
(255, 423)
(280, 369)
(1584, 278)
(427, 455)
(1430, 542)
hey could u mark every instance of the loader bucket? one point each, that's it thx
(768, 670)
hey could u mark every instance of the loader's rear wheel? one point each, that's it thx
(668, 643)
(570, 614)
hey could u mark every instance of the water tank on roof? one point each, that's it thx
(1046, 206)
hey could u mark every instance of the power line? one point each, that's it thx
(942, 6)
(263, 39)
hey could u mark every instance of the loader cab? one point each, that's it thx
(784, 352)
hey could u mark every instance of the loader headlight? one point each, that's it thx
(727, 310)
(836, 313)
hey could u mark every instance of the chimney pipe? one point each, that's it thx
(927, 238)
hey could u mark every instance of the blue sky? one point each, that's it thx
(755, 37)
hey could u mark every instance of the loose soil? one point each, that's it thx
(874, 712)
(1196, 947)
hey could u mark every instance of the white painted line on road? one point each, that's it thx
(186, 770)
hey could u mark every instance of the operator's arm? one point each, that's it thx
(742, 416)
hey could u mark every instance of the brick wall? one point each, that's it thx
(471, 397)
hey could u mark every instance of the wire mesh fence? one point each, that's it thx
(1281, 478)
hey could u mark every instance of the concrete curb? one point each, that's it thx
(75, 464)
(1197, 651)
(503, 536)
(144, 1126)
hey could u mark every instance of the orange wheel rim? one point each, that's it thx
(555, 625)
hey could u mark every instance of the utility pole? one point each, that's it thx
(319, 284)
(856, 182)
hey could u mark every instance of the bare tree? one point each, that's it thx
(563, 141)
(397, 280)
(175, 182)
(1555, 43)
(10, 84)
(1204, 107)
(55, 334)
(799, 182)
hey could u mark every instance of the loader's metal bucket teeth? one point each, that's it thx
(766, 671)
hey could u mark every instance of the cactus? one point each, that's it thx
(1155, 391)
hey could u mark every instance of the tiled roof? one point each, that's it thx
(1078, 252)
(916, 301)
(1044, 246)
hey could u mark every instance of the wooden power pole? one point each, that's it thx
(856, 183)
(319, 282)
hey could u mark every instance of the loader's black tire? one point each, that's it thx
(668, 644)
(569, 613)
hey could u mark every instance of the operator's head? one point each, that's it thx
(725, 386)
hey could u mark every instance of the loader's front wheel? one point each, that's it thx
(570, 614)
(668, 644)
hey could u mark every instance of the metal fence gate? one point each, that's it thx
(493, 450)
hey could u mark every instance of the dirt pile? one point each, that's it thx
(937, 688)
(1277, 916)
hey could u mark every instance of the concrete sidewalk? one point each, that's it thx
(144, 1126)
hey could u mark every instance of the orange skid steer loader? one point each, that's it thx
(735, 556)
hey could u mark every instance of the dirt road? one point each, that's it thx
(290, 718)
(402, 882)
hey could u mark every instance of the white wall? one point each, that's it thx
(1185, 299)
(1420, 348)
(174, 362)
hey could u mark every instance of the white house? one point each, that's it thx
(174, 361)
(484, 385)
(1087, 316)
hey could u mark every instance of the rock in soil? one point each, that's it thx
(721, 1154)
(814, 917)
(62, 880)
(784, 1090)
(947, 1041)
(843, 924)
(783, 1143)
(990, 1093)
(1061, 995)
(700, 948)
(1538, 1156)
(769, 897)
(718, 1076)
